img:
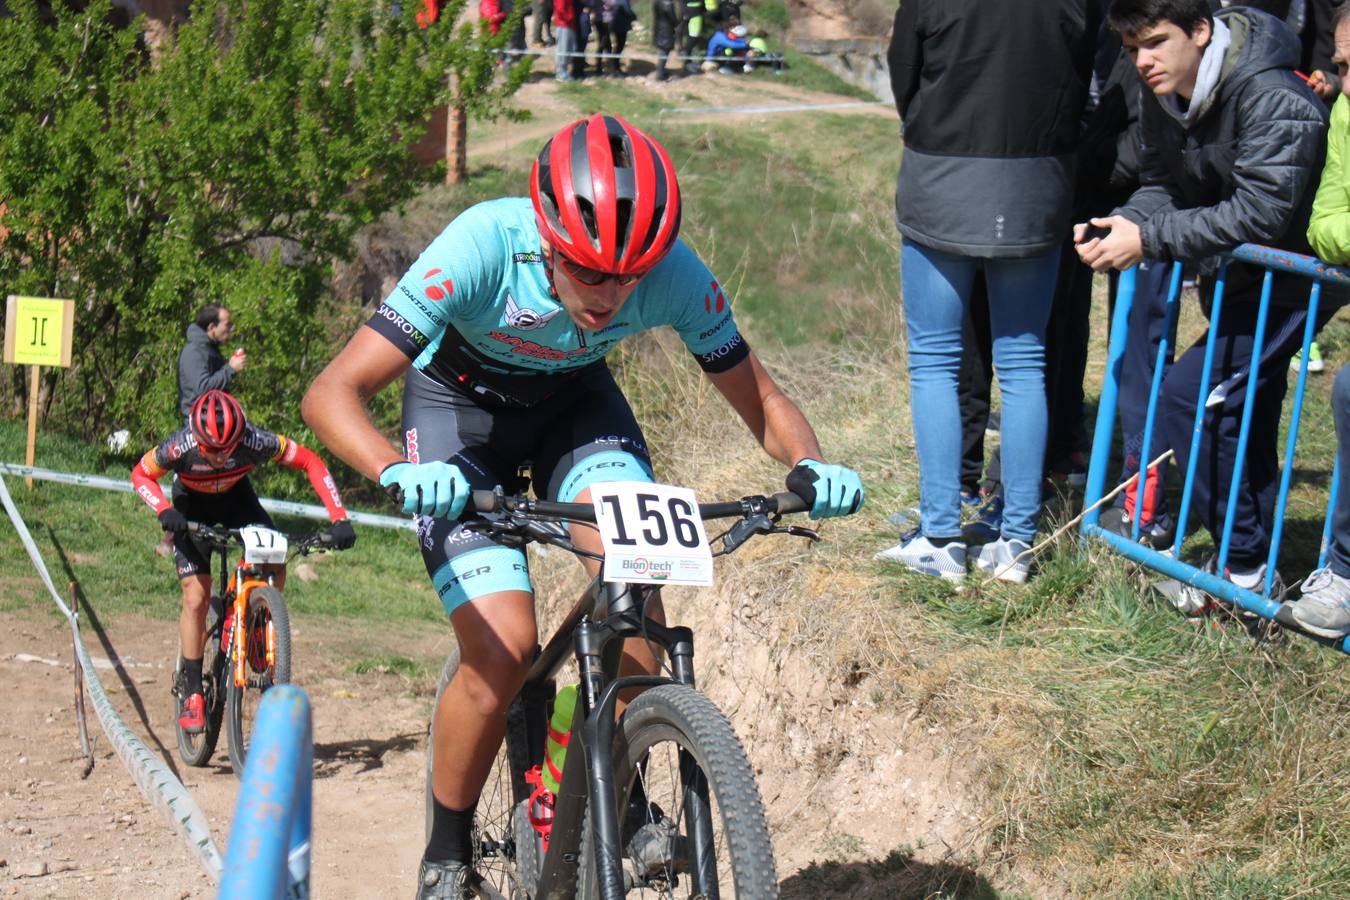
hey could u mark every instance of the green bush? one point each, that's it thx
(233, 166)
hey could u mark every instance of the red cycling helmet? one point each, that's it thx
(606, 197)
(217, 421)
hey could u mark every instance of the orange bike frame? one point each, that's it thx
(239, 640)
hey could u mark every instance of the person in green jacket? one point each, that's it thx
(1324, 607)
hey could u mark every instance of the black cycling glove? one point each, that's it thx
(172, 520)
(340, 535)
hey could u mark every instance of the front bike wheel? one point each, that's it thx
(508, 852)
(196, 749)
(265, 609)
(690, 816)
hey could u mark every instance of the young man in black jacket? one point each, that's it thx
(1231, 143)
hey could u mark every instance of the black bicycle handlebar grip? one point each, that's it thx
(484, 501)
(789, 502)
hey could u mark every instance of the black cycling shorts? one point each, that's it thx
(237, 507)
(582, 435)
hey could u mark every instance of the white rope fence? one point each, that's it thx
(157, 784)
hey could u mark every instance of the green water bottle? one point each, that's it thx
(559, 733)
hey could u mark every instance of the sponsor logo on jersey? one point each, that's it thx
(149, 496)
(530, 256)
(440, 288)
(613, 327)
(402, 325)
(714, 300)
(722, 323)
(410, 445)
(425, 308)
(722, 351)
(524, 318)
(530, 348)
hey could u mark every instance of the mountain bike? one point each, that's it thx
(248, 636)
(661, 802)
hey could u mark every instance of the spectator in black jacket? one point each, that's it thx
(1231, 145)
(201, 366)
(991, 96)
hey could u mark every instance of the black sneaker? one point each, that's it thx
(445, 880)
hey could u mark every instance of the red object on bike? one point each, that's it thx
(540, 805)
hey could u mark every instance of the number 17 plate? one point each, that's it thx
(652, 533)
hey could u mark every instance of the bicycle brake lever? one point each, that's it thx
(745, 529)
(797, 531)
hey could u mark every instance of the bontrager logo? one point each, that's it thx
(440, 290)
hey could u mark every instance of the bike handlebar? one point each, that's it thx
(495, 501)
(224, 537)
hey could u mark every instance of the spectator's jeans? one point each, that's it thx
(566, 45)
(1230, 374)
(1339, 558)
(937, 289)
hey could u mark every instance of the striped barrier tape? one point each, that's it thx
(157, 784)
(304, 510)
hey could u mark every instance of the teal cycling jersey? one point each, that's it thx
(477, 311)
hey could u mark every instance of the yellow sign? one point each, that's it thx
(38, 331)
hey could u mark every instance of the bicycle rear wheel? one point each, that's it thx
(196, 749)
(690, 816)
(508, 852)
(265, 607)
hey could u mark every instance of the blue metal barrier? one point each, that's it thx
(1169, 561)
(268, 853)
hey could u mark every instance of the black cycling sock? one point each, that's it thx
(192, 675)
(451, 833)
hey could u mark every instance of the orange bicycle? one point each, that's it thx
(248, 636)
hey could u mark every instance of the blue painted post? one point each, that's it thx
(268, 853)
(1154, 393)
(1106, 405)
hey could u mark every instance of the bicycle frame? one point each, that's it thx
(605, 616)
(234, 641)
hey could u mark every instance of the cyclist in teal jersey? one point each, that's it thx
(500, 331)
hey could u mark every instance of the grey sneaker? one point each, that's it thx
(1007, 559)
(1324, 608)
(1151, 534)
(1193, 602)
(919, 554)
(445, 880)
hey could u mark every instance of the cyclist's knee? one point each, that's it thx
(492, 676)
(196, 593)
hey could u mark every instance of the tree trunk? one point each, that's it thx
(456, 138)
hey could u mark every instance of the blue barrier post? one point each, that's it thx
(1169, 562)
(268, 853)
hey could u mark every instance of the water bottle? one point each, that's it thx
(545, 779)
(559, 732)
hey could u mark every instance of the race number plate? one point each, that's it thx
(651, 533)
(263, 545)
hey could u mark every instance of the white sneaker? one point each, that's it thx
(918, 553)
(1007, 559)
(1324, 608)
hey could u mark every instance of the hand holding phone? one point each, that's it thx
(1095, 231)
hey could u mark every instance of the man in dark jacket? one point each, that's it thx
(985, 184)
(201, 366)
(1231, 144)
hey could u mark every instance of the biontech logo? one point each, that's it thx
(647, 568)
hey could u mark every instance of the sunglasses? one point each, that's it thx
(594, 277)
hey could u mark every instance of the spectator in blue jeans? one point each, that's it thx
(986, 182)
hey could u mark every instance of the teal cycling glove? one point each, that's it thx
(427, 489)
(831, 490)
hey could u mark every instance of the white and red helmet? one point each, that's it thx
(606, 196)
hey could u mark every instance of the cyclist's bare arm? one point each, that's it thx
(776, 422)
(335, 404)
